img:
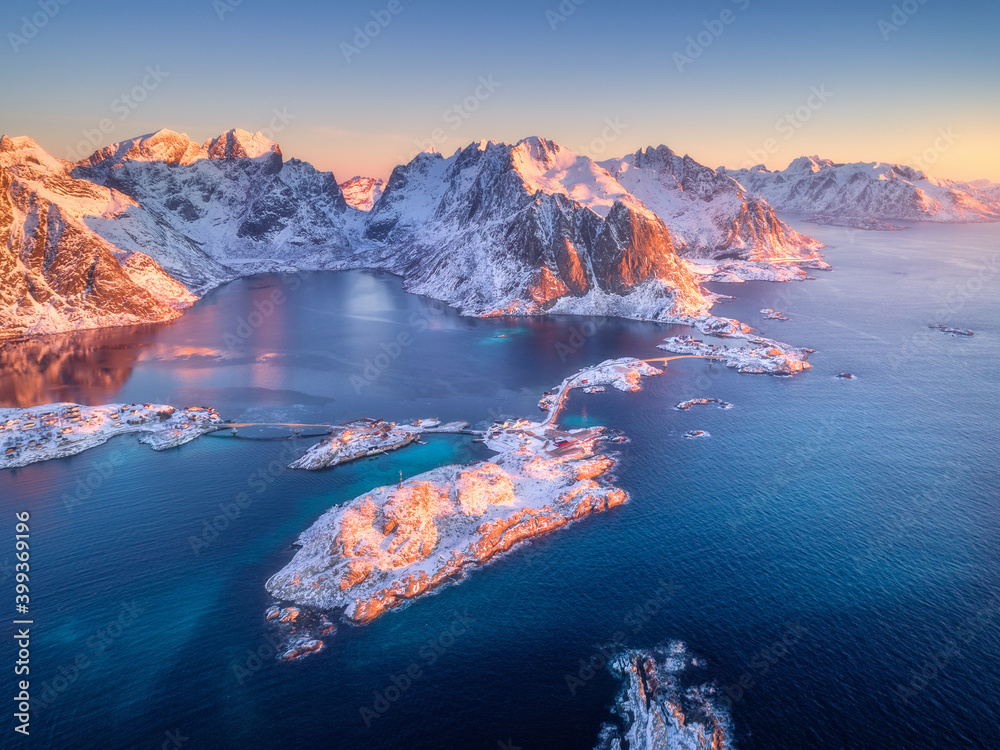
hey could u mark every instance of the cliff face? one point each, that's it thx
(495, 229)
(528, 228)
(859, 190)
(56, 274)
(363, 192)
(228, 207)
(709, 214)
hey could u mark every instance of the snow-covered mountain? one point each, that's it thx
(874, 189)
(494, 229)
(228, 207)
(363, 192)
(710, 215)
(527, 228)
(56, 273)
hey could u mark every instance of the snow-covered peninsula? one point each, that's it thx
(57, 430)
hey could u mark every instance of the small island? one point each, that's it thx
(952, 330)
(661, 706)
(764, 356)
(397, 543)
(58, 430)
(685, 405)
(770, 314)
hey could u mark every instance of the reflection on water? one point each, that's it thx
(87, 366)
(325, 345)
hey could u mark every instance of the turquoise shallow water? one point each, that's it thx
(862, 511)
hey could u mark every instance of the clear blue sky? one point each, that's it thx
(887, 94)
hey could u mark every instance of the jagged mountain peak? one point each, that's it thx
(161, 146)
(809, 164)
(174, 148)
(17, 143)
(238, 143)
(25, 152)
(363, 192)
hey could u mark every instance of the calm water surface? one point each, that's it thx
(863, 511)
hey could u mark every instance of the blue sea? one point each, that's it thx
(831, 553)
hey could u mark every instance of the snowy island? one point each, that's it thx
(64, 429)
(394, 544)
(764, 356)
(657, 708)
(368, 437)
(685, 405)
(952, 330)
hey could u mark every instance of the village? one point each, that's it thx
(65, 429)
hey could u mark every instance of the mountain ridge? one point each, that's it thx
(494, 229)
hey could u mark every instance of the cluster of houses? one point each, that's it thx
(30, 431)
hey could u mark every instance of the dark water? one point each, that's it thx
(858, 519)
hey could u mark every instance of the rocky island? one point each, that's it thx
(952, 330)
(394, 544)
(656, 708)
(770, 314)
(685, 405)
(763, 356)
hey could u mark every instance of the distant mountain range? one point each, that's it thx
(870, 190)
(140, 229)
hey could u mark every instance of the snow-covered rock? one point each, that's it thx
(495, 229)
(363, 192)
(661, 704)
(394, 544)
(229, 207)
(709, 214)
(56, 273)
(762, 356)
(501, 229)
(355, 440)
(874, 189)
